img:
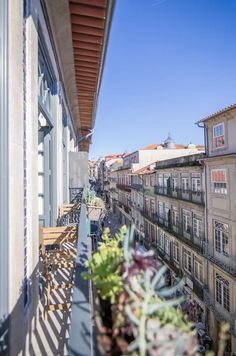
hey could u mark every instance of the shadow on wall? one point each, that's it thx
(17, 327)
(27, 332)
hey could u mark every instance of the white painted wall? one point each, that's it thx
(150, 156)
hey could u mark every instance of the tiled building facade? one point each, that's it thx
(220, 248)
(185, 209)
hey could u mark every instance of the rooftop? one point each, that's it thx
(145, 170)
(219, 112)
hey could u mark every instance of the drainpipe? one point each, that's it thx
(85, 137)
(205, 245)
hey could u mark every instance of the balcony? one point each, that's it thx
(218, 310)
(197, 288)
(196, 197)
(149, 216)
(125, 207)
(223, 265)
(168, 260)
(136, 206)
(124, 187)
(188, 237)
(137, 186)
(177, 230)
(81, 307)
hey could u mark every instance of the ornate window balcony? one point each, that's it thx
(228, 267)
(196, 197)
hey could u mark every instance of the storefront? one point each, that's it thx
(196, 308)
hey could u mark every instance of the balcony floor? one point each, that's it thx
(51, 336)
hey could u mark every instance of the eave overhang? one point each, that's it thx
(90, 26)
(80, 31)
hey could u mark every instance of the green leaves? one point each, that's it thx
(157, 323)
(93, 200)
(105, 266)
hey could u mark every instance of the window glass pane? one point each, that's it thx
(40, 184)
(196, 184)
(218, 135)
(222, 292)
(221, 232)
(40, 162)
(41, 205)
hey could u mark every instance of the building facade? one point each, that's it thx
(184, 208)
(220, 248)
(174, 223)
(129, 177)
(48, 93)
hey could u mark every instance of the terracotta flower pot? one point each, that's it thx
(94, 212)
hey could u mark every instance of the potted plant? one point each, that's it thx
(95, 206)
(138, 313)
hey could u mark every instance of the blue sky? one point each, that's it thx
(169, 63)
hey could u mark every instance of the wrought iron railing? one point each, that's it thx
(168, 260)
(76, 195)
(149, 215)
(125, 187)
(186, 235)
(82, 331)
(177, 229)
(222, 264)
(70, 218)
(187, 195)
(137, 186)
(172, 264)
(125, 207)
(216, 309)
(197, 288)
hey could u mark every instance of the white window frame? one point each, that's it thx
(216, 136)
(176, 252)
(166, 211)
(167, 246)
(152, 206)
(222, 292)
(197, 226)
(175, 217)
(187, 261)
(161, 211)
(162, 240)
(220, 189)
(221, 237)
(196, 184)
(174, 183)
(185, 184)
(165, 180)
(187, 221)
(198, 270)
(160, 180)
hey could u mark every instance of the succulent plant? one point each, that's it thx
(105, 266)
(159, 327)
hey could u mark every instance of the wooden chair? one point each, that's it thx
(69, 214)
(62, 255)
